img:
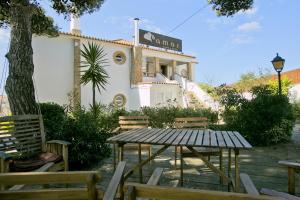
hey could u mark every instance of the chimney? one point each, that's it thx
(75, 25)
(136, 32)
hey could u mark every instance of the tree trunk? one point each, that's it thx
(94, 96)
(19, 84)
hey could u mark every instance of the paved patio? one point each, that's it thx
(259, 163)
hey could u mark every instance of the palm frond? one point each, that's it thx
(93, 66)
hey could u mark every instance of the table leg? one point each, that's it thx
(229, 169)
(181, 167)
(175, 157)
(121, 158)
(237, 173)
(114, 154)
(140, 167)
(145, 161)
(291, 181)
(221, 166)
(121, 152)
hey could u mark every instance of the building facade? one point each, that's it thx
(139, 75)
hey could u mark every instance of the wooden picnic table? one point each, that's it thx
(189, 138)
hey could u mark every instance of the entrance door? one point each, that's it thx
(164, 70)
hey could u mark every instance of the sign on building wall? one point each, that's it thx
(158, 40)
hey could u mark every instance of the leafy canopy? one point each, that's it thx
(42, 24)
(230, 7)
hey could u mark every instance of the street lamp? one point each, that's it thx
(278, 64)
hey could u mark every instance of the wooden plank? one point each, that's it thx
(133, 133)
(199, 139)
(171, 193)
(248, 184)
(193, 138)
(220, 139)
(154, 179)
(242, 140)
(113, 185)
(45, 177)
(289, 164)
(163, 134)
(213, 139)
(179, 137)
(133, 117)
(186, 137)
(235, 140)
(44, 168)
(278, 194)
(124, 135)
(148, 140)
(144, 136)
(135, 137)
(150, 134)
(175, 133)
(19, 117)
(131, 127)
(145, 123)
(46, 194)
(227, 139)
(206, 138)
(166, 137)
(190, 119)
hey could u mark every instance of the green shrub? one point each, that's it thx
(164, 117)
(87, 138)
(54, 118)
(264, 120)
(86, 133)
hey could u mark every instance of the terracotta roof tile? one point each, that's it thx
(123, 42)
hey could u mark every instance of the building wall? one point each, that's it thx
(53, 74)
(119, 81)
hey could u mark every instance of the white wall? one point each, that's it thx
(119, 81)
(53, 60)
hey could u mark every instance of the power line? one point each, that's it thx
(188, 18)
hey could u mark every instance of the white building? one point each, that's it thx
(139, 75)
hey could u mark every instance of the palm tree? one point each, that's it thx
(93, 68)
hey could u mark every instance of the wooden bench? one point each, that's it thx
(128, 123)
(251, 189)
(292, 168)
(90, 178)
(196, 123)
(23, 137)
(136, 190)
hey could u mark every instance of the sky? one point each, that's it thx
(225, 47)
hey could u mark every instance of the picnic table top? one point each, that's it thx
(183, 137)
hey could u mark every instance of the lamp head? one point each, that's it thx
(278, 63)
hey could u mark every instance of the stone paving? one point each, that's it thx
(260, 163)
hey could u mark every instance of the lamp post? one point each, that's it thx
(278, 64)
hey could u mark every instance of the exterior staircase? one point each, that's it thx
(193, 101)
(197, 98)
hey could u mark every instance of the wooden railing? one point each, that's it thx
(90, 178)
(135, 190)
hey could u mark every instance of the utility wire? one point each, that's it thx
(188, 18)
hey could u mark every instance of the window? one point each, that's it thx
(119, 57)
(119, 100)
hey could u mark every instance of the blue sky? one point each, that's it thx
(225, 47)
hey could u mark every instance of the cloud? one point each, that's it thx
(249, 12)
(241, 39)
(4, 35)
(249, 26)
(215, 23)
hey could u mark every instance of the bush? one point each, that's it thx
(164, 117)
(264, 120)
(86, 134)
(87, 138)
(54, 118)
